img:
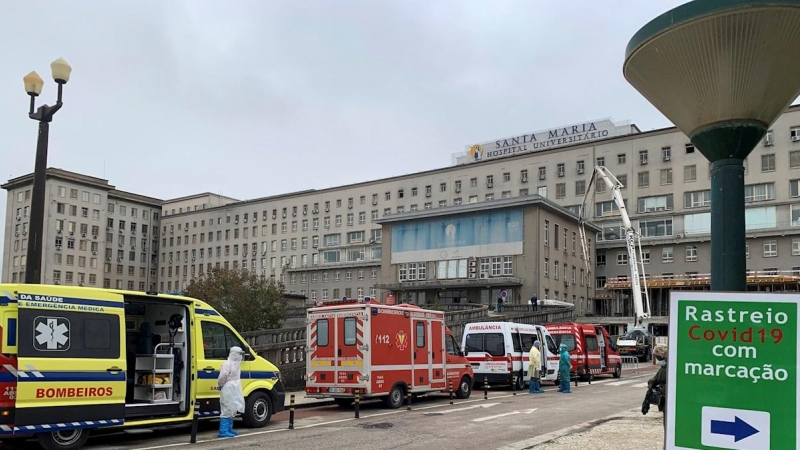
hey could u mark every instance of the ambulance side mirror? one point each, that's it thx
(249, 357)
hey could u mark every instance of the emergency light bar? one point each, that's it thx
(344, 301)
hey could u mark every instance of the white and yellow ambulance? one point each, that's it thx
(77, 359)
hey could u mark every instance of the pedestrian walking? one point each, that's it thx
(499, 304)
(534, 383)
(231, 399)
(535, 302)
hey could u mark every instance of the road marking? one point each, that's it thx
(483, 405)
(620, 383)
(640, 385)
(257, 433)
(524, 411)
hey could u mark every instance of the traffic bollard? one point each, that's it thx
(291, 412)
(514, 384)
(195, 420)
(408, 401)
(357, 400)
(485, 388)
(451, 392)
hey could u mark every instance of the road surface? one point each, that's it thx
(504, 419)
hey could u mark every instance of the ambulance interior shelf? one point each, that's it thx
(157, 354)
(155, 375)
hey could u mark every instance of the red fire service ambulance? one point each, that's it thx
(383, 351)
(589, 349)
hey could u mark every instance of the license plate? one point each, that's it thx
(336, 390)
(476, 365)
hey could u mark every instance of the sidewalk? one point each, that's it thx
(627, 431)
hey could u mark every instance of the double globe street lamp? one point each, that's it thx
(44, 115)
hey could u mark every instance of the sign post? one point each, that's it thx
(732, 378)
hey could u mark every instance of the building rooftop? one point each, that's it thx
(74, 177)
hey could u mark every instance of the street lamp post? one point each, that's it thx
(44, 114)
(722, 72)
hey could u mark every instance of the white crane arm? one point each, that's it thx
(638, 286)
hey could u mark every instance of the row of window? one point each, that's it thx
(575, 278)
(330, 239)
(349, 333)
(769, 249)
(134, 212)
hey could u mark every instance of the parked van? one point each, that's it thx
(590, 349)
(382, 351)
(76, 359)
(498, 350)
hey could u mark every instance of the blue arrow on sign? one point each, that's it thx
(739, 429)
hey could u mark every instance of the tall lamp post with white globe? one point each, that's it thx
(44, 115)
(722, 71)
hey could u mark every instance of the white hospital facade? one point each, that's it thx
(330, 243)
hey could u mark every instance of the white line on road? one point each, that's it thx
(620, 383)
(257, 433)
(484, 419)
(482, 405)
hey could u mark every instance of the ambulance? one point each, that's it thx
(589, 348)
(77, 360)
(383, 352)
(498, 351)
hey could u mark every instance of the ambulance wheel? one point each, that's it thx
(618, 371)
(257, 410)
(520, 381)
(395, 398)
(464, 388)
(64, 439)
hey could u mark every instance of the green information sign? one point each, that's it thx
(732, 371)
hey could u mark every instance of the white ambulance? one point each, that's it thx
(499, 350)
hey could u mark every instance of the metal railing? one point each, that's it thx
(630, 363)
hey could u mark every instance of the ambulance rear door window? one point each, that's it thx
(350, 331)
(567, 339)
(322, 332)
(491, 343)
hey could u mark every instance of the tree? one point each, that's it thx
(248, 301)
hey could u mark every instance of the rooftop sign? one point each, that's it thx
(544, 140)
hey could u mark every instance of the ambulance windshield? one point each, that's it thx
(567, 339)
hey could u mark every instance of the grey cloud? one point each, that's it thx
(251, 98)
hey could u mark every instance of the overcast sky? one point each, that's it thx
(254, 98)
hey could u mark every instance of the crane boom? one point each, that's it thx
(632, 239)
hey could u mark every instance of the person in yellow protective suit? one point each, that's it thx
(231, 399)
(534, 384)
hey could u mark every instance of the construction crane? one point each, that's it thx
(638, 335)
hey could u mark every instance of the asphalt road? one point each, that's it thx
(474, 423)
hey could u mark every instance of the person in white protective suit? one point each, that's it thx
(231, 399)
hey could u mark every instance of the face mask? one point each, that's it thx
(662, 363)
